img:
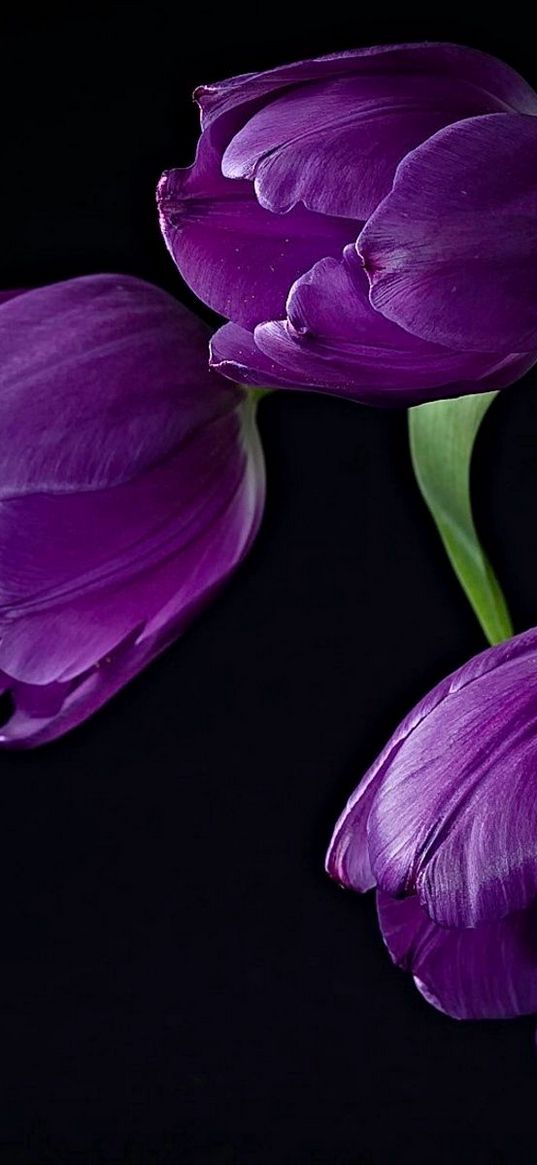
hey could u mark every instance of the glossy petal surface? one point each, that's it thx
(335, 145)
(485, 973)
(334, 340)
(451, 805)
(236, 256)
(291, 162)
(92, 371)
(461, 268)
(237, 94)
(122, 515)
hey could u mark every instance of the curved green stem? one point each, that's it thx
(442, 436)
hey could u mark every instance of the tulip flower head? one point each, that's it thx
(131, 485)
(444, 824)
(365, 221)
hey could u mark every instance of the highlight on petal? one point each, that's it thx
(345, 858)
(97, 578)
(91, 373)
(234, 354)
(451, 810)
(470, 846)
(444, 823)
(484, 973)
(461, 268)
(457, 62)
(335, 144)
(290, 163)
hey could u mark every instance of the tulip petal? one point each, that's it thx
(346, 859)
(112, 381)
(335, 341)
(135, 488)
(484, 973)
(5, 295)
(81, 571)
(454, 818)
(236, 256)
(168, 599)
(335, 145)
(43, 712)
(461, 268)
(234, 353)
(460, 64)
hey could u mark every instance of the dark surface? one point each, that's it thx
(180, 982)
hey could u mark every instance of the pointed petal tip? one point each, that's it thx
(332, 864)
(430, 997)
(347, 858)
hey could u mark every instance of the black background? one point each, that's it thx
(179, 981)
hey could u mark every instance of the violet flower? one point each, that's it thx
(131, 485)
(445, 825)
(366, 221)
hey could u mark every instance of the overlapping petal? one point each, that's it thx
(113, 635)
(290, 164)
(332, 339)
(485, 973)
(449, 809)
(444, 823)
(334, 145)
(236, 256)
(469, 860)
(451, 252)
(234, 353)
(456, 62)
(104, 563)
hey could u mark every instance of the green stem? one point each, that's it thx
(257, 394)
(442, 436)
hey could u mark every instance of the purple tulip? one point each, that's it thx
(131, 485)
(445, 825)
(366, 221)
